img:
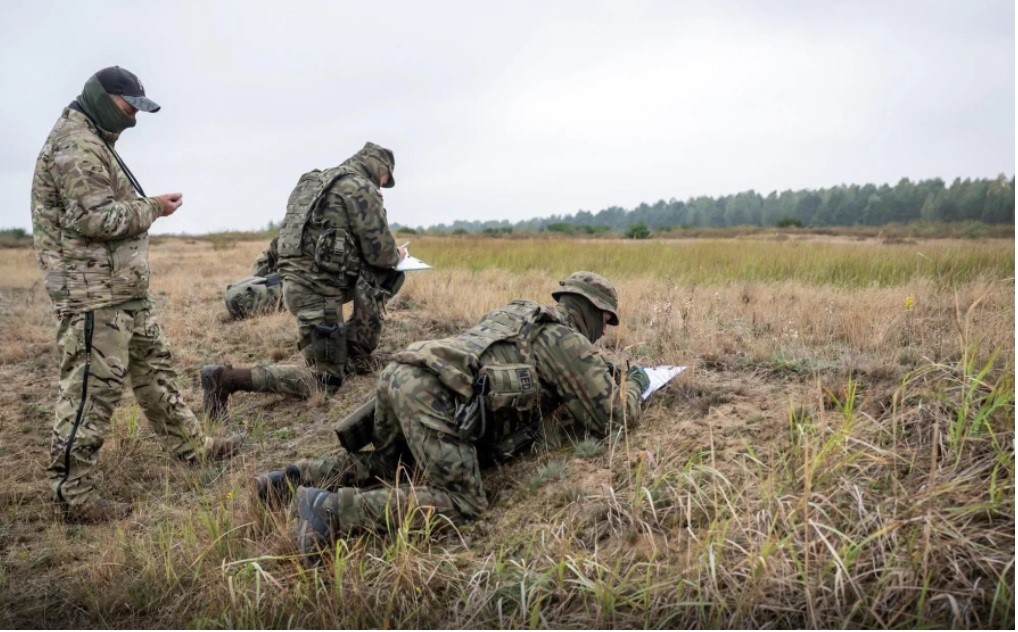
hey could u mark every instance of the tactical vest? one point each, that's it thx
(308, 233)
(491, 369)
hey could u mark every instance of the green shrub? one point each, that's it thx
(560, 227)
(638, 230)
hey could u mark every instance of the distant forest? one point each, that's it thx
(990, 201)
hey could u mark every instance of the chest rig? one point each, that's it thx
(314, 233)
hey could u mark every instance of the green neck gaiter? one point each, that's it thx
(587, 318)
(100, 106)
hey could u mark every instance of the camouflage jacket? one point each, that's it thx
(89, 224)
(352, 203)
(572, 372)
(576, 375)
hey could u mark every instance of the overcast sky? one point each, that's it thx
(519, 109)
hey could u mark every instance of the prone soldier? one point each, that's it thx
(450, 407)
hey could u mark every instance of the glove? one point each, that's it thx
(638, 375)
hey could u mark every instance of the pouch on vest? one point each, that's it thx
(510, 387)
(332, 252)
(470, 418)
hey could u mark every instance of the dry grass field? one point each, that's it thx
(840, 453)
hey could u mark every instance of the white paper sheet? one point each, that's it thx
(411, 262)
(659, 376)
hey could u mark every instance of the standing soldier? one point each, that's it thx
(450, 407)
(334, 247)
(260, 293)
(90, 219)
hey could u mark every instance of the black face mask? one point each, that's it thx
(589, 319)
(102, 109)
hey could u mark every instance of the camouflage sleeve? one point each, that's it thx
(583, 381)
(266, 264)
(370, 226)
(84, 181)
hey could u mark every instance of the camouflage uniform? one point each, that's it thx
(268, 262)
(334, 248)
(418, 418)
(91, 237)
(261, 293)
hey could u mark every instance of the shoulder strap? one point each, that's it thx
(457, 360)
(130, 176)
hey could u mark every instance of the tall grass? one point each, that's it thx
(812, 261)
(840, 454)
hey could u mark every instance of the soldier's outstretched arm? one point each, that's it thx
(86, 189)
(584, 381)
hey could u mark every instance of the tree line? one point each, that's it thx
(990, 201)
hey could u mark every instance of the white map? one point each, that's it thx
(659, 376)
(411, 262)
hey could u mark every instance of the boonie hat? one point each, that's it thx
(117, 80)
(384, 156)
(595, 288)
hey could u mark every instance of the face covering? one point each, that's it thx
(100, 107)
(589, 319)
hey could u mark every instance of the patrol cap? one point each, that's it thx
(383, 156)
(595, 288)
(117, 80)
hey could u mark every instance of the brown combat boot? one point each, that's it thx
(217, 383)
(96, 511)
(223, 447)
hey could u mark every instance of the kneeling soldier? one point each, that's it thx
(334, 247)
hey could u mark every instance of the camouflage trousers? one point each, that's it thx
(100, 351)
(413, 440)
(329, 344)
